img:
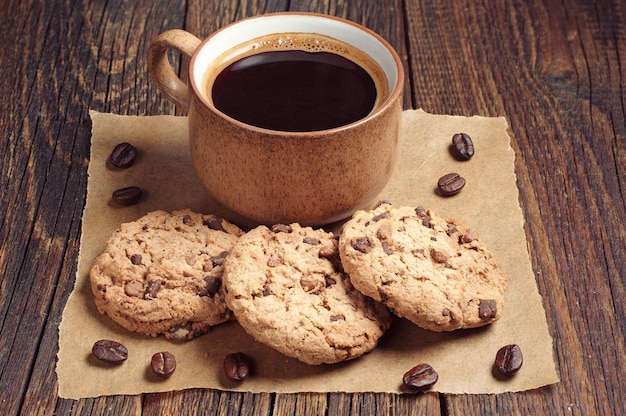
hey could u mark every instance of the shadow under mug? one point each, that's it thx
(271, 176)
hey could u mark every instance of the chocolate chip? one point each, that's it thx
(207, 266)
(363, 244)
(152, 290)
(329, 281)
(136, 259)
(281, 228)
(266, 290)
(423, 214)
(123, 155)
(388, 251)
(308, 283)
(274, 261)
(181, 332)
(311, 240)
(127, 196)
(187, 219)
(379, 217)
(335, 318)
(439, 256)
(133, 288)
(214, 223)
(468, 237)
(420, 378)
(109, 351)
(163, 364)
(213, 285)
(487, 309)
(219, 259)
(385, 231)
(327, 252)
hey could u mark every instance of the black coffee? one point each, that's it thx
(295, 90)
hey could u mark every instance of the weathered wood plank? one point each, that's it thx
(553, 68)
(551, 72)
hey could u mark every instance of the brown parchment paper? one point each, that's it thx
(463, 359)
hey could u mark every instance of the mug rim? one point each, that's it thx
(388, 101)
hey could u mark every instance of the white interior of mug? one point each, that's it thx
(245, 30)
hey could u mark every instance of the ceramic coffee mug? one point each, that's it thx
(311, 174)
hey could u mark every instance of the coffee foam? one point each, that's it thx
(308, 42)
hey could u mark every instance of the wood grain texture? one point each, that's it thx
(556, 69)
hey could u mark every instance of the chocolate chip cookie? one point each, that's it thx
(434, 272)
(287, 289)
(162, 274)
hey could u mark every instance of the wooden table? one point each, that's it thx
(555, 69)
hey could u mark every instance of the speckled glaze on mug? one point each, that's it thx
(268, 176)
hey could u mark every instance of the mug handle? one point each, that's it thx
(160, 68)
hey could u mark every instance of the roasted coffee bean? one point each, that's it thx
(111, 352)
(127, 196)
(123, 155)
(421, 377)
(237, 366)
(463, 146)
(450, 184)
(509, 360)
(163, 364)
